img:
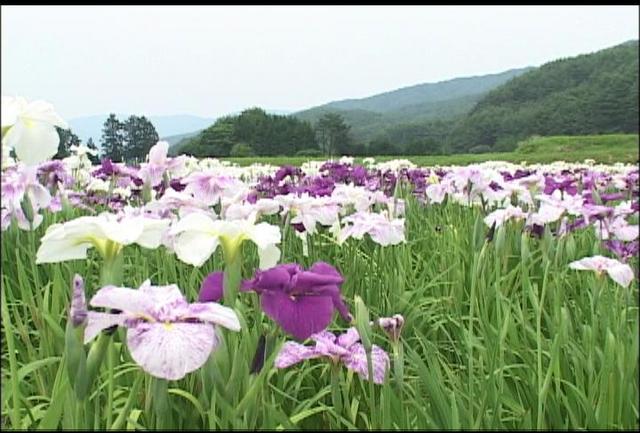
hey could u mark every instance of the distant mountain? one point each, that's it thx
(175, 139)
(593, 93)
(369, 117)
(166, 126)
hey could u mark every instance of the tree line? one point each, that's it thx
(128, 140)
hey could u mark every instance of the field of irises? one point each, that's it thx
(198, 294)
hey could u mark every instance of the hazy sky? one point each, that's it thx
(209, 60)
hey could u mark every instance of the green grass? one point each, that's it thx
(606, 149)
(498, 335)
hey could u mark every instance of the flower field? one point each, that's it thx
(198, 294)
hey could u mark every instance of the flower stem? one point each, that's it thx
(232, 277)
(112, 269)
(372, 397)
(160, 397)
(336, 396)
(398, 365)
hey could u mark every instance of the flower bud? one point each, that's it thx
(392, 326)
(78, 311)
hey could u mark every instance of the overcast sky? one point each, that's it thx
(210, 60)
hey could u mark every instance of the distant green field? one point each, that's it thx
(601, 148)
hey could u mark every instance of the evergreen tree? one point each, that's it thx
(139, 135)
(95, 159)
(67, 139)
(113, 139)
(333, 133)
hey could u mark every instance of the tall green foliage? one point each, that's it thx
(333, 134)
(129, 140)
(265, 134)
(91, 145)
(67, 139)
(112, 141)
(588, 94)
(139, 136)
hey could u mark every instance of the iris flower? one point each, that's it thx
(106, 232)
(382, 230)
(500, 216)
(301, 302)
(197, 236)
(166, 336)
(343, 348)
(619, 272)
(152, 172)
(210, 186)
(29, 128)
(18, 182)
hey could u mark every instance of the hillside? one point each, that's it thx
(175, 139)
(371, 117)
(589, 94)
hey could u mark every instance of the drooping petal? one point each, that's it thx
(292, 353)
(211, 289)
(264, 235)
(214, 313)
(39, 196)
(621, 274)
(152, 232)
(357, 361)
(194, 247)
(196, 238)
(171, 350)
(68, 241)
(333, 291)
(34, 141)
(583, 264)
(59, 250)
(301, 316)
(97, 321)
(269, 256)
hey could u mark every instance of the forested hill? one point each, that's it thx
(589, 94)
(370, 117)
(594, 93)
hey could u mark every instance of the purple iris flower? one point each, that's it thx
(177, 185)
(301, 302)
(287, 170)
(566, 185)
(606, 197)
(624, 250)
(343, 348)
(495, 186)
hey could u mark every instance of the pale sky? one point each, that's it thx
(210, 60)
